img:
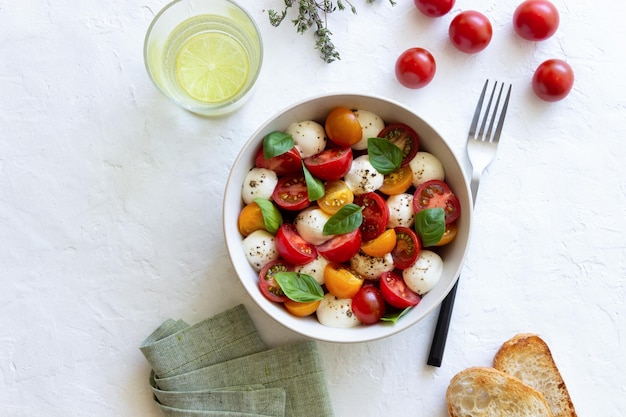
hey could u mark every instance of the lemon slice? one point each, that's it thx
(212, 67)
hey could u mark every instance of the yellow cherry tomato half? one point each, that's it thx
(381, 245)
(448, 235)
(301, 309)
(250, 219)
(336, 195)
(342, 282)
(398, 181)
(343, 127)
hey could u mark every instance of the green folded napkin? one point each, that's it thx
(221, 366)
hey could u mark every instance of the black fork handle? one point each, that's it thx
(435, 357)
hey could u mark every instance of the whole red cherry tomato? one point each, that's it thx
(368, 304)
(553, 80)
(415, 68)
(470, 31)
(434, 8)
(536, 20)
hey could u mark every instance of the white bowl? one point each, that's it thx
(317, 108)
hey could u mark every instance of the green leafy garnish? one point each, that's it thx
(276, 143)
(271, 216)
(430, 225)
(392, 316)
(384, 155)
(315, 187)
(298, 287)
(346, 220)
(313, 13)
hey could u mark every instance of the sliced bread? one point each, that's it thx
(487, 392)
(528, 358)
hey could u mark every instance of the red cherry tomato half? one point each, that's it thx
(415, 68)
(553, 80)
(291, 192)
(536, 20)
(287, 163)
(368, 304)
(375, 215)
(268, 285)
(330, 164)
(408, 248)
(395, 291)
(436, 193)
(292, 247)
(434, 8)
(341, 247)
(403, 136)
(470, 31)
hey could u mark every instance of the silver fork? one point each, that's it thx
(481, 150)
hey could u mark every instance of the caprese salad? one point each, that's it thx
(343, 220)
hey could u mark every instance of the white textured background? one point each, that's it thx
(110, 203)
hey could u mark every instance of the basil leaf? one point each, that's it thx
(347, 219)
(395, 315)
(298, 287)
(384, 155)
(276, 143)
(271, 216)
(430, 225)
(315, 187)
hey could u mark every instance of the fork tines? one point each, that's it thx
(487, 117)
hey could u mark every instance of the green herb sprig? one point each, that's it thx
(312, 13)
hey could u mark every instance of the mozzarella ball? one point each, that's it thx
(315, 268)
(310, 225)
(260, 248)
(371, 126)
(371, 267)
(401, 211)
(425, 273)
(336, 312)
(362, 177)
(309, 137)
(259, 183)
(426, 167)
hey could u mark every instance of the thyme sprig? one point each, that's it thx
(313, 14)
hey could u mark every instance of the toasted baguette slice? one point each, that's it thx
(528, 358)
(487, 392)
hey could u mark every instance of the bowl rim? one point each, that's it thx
(333, 334)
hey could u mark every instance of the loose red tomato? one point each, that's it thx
(404, 137)
(375, 215)
(341, 247)
(395, 291)
(434, 8)
(341, 281)
(553, 80)
(398, 181)
(292, 247)
(343, 127)
(336, 195)
(368, 304)
(415, 68)
(287, 163)
(407, 249)
(436, 193)
(267, 283)
(291, 192)
(536, 20)
(330, 164)
(470, 31)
